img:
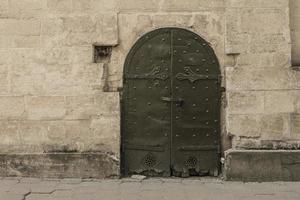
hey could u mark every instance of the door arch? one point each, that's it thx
(171, 106)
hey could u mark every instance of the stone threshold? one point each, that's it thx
(262, 165)
(59, 165)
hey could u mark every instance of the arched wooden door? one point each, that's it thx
(171, 106)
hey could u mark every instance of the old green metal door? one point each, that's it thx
(171, 106)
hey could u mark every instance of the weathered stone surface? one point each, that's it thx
(246, 102)
(59, 6)
(192, 5)
(12, 107)
(259, 126)
(259, 165)
(41, 108)
(59, 165)
(258, 3)
(132, 5)
(244, 125)
(279, 102)
(20, 27)
(295, 126)
(105, 131)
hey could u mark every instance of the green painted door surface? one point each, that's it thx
(171, 106)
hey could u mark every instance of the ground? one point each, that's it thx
(134, 189)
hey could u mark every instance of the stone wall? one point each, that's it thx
(262, 89)
(51, 90)
(52, 93)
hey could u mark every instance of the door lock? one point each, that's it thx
(178, 101)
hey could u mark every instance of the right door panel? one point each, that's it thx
(195, 109)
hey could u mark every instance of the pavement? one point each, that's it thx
(147, 189)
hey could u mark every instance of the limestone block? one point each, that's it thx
(260, 48)
(108, 35)
(108, 103)
(246, 102)
(79, 24)
(258, 3)
(4, 4)
(172, 20)
(262, 165)
(58, 165)
(27, 9)
(276, 78)
(45, 107)
(27, 85)
(4, 83)
(4, 8)
(38, 136)
(80, 107)
(191, 5)
(79, 135)
(52, 32)
(279, 102)
(74, 80)
(28, 4)
(82, 5)
(141, 24)
(256, 60)
(235, 39)
(237, 43)
(20, 27)
(263, 21)
(295, 47)
(296, 95)
(133, 5)
(295, 126)
(26, 41)
(26, 60)
(210, 23)
(58, 56)
(244, 78)
(85, 30)
(275, 126)
(244, 125)
(295, 80)
(95, 5)
(60, 6)
(245, 143)
(52, 26)
(68, 55)
(260, 78)
(4, 59)
(5, 41)
(9, 133)
(106, 131)
(12, 107)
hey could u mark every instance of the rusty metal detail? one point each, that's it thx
(192, 76)
(153, 74)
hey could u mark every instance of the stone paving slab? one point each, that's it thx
(147, 189)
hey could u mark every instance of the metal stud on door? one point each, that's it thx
(170, 108)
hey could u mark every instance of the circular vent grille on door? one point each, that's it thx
(191, 162)
(149, 160)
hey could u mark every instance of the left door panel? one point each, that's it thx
(146, 128)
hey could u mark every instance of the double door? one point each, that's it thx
(171, 106)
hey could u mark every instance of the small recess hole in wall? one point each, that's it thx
(102, 54)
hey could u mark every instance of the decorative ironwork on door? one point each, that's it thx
(171, 106)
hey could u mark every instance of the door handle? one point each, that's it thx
(178, 101)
